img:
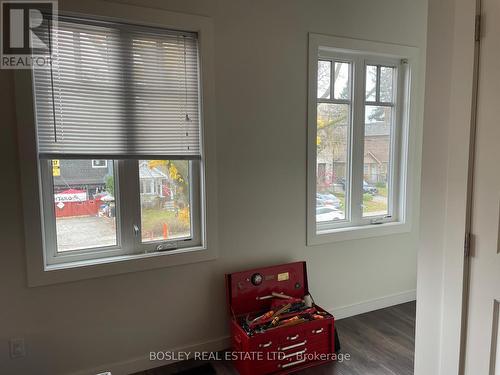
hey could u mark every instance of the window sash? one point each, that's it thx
(348, 193)
(128, 214)
(357, 139)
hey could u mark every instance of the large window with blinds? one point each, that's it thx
(119, 141)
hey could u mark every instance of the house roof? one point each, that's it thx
(80, 172)
(150, 173)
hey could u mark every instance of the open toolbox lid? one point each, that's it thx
(245, 289)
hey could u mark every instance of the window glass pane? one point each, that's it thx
(84, 204)
(333, 128)
(342, 81)
(324, 79)
(165, 199)
(386, 84)
(377, 160)
(371, 83)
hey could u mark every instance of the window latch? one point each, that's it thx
(136, 230)
(167, 246)
(380, 220)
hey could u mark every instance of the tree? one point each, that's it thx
(332, 130)
(379, 114)
(178, 171)
(110, 185)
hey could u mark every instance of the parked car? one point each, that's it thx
(328, 214)
(370, 189)
(327, 200)
(341, 182)
(367, 188)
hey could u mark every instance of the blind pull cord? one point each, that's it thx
(185, 86)
(52, 82)
(185, 82)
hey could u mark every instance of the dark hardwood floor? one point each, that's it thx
(380, 342)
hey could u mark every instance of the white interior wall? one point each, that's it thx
(261, 95)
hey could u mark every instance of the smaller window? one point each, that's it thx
(99, 163)
(357, 136)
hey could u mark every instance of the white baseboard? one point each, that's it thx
(374, 304)
(144, 363)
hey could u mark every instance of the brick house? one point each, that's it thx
(331, 163)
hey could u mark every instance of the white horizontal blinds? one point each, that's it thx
(119, 91)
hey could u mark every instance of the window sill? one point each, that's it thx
(74, 271)
(355, 233)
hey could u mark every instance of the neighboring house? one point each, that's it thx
(91, 175)
(331, 163)
(153, 181)
(377, 152)
(87, 175)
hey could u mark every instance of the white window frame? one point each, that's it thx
(361, 53)
(41, 269)
(94, 165)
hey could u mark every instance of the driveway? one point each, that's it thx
(84, 232)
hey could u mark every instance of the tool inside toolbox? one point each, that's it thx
(284, 311)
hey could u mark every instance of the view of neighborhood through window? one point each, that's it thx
(84, 204)
(165, 199)
(332, 143)
(379, 106)
(334, 128)
(333, 133)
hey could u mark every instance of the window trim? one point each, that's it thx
(383, 54)
(38, 270)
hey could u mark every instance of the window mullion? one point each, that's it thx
(196, 202)
(130, 210)
(49, 217)
(357, 142)
(377, 85)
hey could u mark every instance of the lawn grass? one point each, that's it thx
(154, 217)
(373, 206)
(382, 191)
(152, 221)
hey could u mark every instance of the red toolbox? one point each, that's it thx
(265, 343)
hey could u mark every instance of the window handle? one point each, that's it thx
(380, 220)
(136, 230)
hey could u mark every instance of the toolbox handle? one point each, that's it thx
(293, 346)
(266, 345)
(292, 363)
(294, 354)
(318, 330)
(291, 338)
